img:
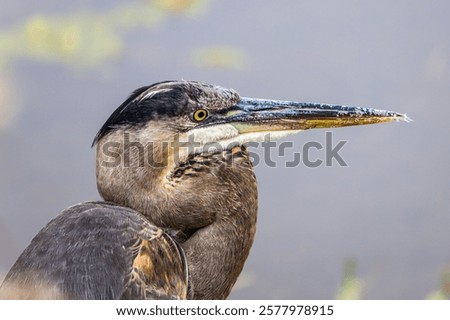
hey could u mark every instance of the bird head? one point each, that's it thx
(214, 116)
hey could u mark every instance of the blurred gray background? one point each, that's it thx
(377, 229)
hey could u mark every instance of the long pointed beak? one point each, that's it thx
(257, 115)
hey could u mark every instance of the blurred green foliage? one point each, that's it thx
(351, 287)
(444, 291)
(86, 39)
(89, 39)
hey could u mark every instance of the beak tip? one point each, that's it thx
(402, 117)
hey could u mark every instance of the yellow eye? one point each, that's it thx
(200, 115)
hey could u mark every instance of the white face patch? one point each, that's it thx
(226, 136)
(257, 137)
(215, 133)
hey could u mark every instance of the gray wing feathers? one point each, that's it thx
(98, 250)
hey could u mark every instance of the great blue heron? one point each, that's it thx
(180, 197)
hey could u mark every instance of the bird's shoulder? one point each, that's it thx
(99, 250)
